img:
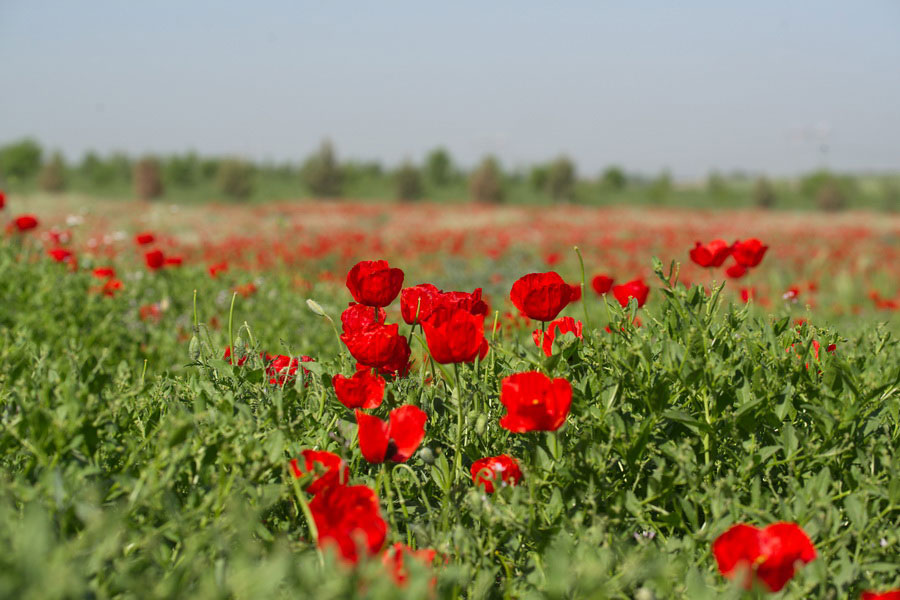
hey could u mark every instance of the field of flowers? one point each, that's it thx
(333, 400)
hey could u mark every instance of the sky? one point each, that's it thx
(779, 87)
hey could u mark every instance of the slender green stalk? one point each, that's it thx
(231, 326)
(584, 303)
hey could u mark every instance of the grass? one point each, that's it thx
(137, 463)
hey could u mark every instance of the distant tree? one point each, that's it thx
(147, 178)
(235, 178)
(614, 178)
(661, 186)
(182, 170)
(891, 196)
(486, 182)
(209, 168)
(561, 179)
(764, 193)
(53, 174)
(322, 173)
(408, 182)
(716, 185)
(827, 190)
(439, 166)
(831, 196)
(537, 178)
(20, 160)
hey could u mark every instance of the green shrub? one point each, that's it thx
(20, 160)
(53, 174)
(561, 179)
(235, 178)
(486, 182)
(764, 193)
(322, 173)
(439, 167)
(408, 183)
(614, 178)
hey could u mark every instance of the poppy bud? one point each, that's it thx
(480, 424)
(315, 307)
(426, 455)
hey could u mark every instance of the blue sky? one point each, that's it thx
(778, 87)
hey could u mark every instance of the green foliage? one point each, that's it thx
(322, 173)
(53, 174)
(170, 480)
(439, 167)
(183, 170)
(561, 179)
(614, 178)
(235, 178)
(20, 160)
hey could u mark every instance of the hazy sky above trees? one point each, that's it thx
(773, 86)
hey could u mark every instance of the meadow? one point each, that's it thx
(170, 374)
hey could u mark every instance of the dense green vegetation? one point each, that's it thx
(25, 166)
(137, 463)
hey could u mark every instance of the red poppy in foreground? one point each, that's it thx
(348, 517)
(380, 346)
(154, 259)
(362, 390)
(395, 440)
(456, 337)
(748, 253)
(144, 238)
(374, 282)
(561, 326)
(540, 296)
(25, 222)
(393, 560)
(534, 402)
(636, 288)
(892, 595)
(496, 469)
(601, 284)
(712, 254)
(332, 470)
(768, 555)
(281, 369)
(419, 303)
(357, 317)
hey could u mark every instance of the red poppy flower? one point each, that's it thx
(104, 272)
(636, 288)
(154, 259)
(150, 312)
(457, 336)
(2, 200)
(534, 402)
(395, 440)
(357, 317)
(392, 558)
(217, 268)
(144, 238)
(601, 284)
(736, 271)
(417, 300)
(174, 261)
(503, 468)
(110, 287)
(246, 289)
(559, 326)
(362, 390)
(281, 369)
(349, 517)
(227, 357)
(791, 294)
(575, 292)
(377, 345)
(748, 294)
(893, 595)
(540, 296)
(336, 472)
(769, 555)
(25, 222)
(374, 282)
(712, 254)
(61, 254)
(749, 252)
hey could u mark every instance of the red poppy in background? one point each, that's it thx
(392, 558)
(636, 288)
(534, 402)
(362, 390)
(357, 317)
(892, 595)
(374, 282)
(61, 254)
(540, 296)
(217, 268)
(154, 259)
(2, 200)
(25, 222)
(150, 312)
(110, 287)
(174, 261)
(556, 327)
(281, 369)
(736, 271)
(748, 294)
(395, 440)
(144, 238)
(712, 254)
(767, 555)
(246, 290)
(103, 272)
(456, 337)
(336, 471)
(575, 292)
(377, 345)
(349, 517)
(748, 253)
(502, 468)
(601, 284)
(227, 357)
